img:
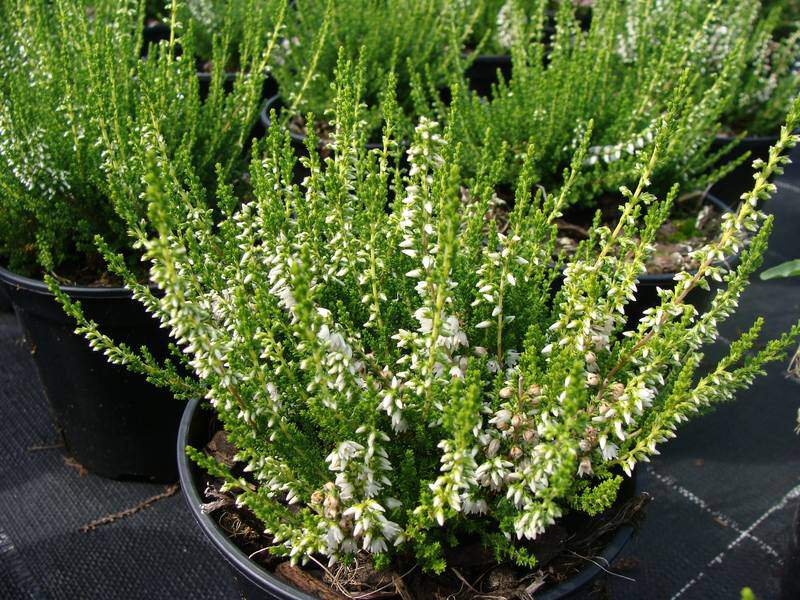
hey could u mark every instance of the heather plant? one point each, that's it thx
(410, 39)
(772, 74)
(217, 18)
(485, 30)
(638, 59)
(498, 26)
(74, 98)
(396, 380)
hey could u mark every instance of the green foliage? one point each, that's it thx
(394, 367)
(639, 60)
(228, 20)
(75, 101)
(748, 594)
(771, 77)
(410, 38)
(791, 268)
(222, 17)
(595, 499)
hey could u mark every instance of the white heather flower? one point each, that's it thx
(609, 449)
(501, 419)
(493, 472)
(474, 506)
(345, 451)
(371, 526)
(505, 26)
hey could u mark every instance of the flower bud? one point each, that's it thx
(617, 389)
(331, 506)
(516, 421)
(506, 392)
(493, 448)
(593, 379)
(515, 453)
(529, 436)
(317, 497)
(591, 358)
(535, 390)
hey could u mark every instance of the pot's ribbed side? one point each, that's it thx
(113, 422)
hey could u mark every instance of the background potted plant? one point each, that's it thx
(495, 30)
(217, 22)
(426, 40)
(635, 62)
(768, 83)
(398, 388)
(73, 100)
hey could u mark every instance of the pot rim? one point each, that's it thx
(230, 551)
(748, 139)
(275, 102)
(495, 58)
(268, 581)
(37, 286)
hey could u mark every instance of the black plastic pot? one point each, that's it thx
(112, 421)
(256, 583)
(790, 583)
(154, 33)
(276, 103)
(5, 302)
(159, 32)
(482, 73)
(740, 180)
(647, 294)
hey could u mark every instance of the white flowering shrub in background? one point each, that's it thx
(426, 40)
(75, 96)
(637, 58)
(397, 370)
(772, 76)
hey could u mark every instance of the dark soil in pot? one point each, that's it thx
(790, 583)
(237, 536)
(113, 422)
(740, 180)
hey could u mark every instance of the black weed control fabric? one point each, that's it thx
(723, 493)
